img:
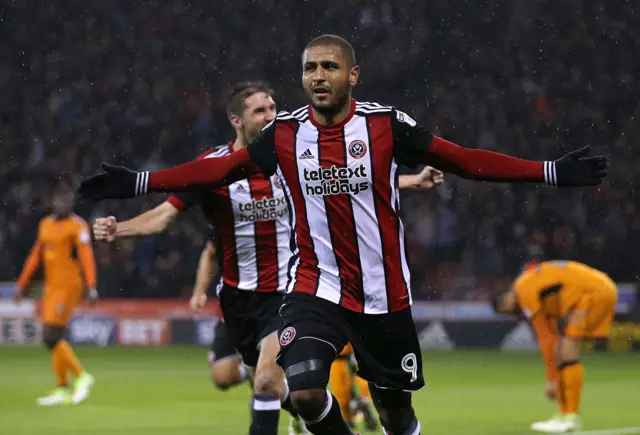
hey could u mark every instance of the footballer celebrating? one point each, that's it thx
(252, 231)
(338, 162)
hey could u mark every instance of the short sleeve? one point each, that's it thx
(527, 293)
(185, 200)
(411, 140)
(262, 150)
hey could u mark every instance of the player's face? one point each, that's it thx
(62, 203)
(508, 303)
(327, 78)
(260, 110)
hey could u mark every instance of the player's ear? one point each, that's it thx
(354, 75)
(236, 121)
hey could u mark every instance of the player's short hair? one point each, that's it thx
(239, 92)
(496, 301)
(336, 41)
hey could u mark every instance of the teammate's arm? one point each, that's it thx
(153, 221)
(427, 178)
(207, 268)
(415, 145)
(87, 260)
(29, 269)
(117, 182)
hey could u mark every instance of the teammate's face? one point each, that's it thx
(259, 110)
(62, 203)
(327, 78)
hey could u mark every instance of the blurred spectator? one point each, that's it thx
(142, 84)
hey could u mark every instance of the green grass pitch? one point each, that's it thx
(166, 391)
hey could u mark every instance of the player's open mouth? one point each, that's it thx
(320, 91)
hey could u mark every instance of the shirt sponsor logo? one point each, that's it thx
(336, 181)
(265, 209)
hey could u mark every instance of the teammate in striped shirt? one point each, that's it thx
(252, 234)
(349, 280)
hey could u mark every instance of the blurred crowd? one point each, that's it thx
(142, 84)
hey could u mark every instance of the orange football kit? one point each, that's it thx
(581, 298)
(63, 246)
(342, 381)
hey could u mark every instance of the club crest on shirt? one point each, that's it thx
(357, 149)
(276, 182)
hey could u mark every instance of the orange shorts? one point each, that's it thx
(592, 316)
(58, 306)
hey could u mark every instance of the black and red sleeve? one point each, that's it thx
(414, 145)
(258, 156)
(263, 150)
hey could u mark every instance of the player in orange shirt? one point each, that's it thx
(343, 382)
(61, 236)
(581, 298)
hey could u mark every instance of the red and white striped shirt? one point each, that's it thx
(342, 185)
(252, 228)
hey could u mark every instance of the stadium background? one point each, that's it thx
(142, 84)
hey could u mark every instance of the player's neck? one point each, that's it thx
(238, 144)
(333, 119)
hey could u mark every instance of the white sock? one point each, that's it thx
(244, 372)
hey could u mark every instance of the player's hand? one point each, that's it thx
(577, 169)
(115, 182)
(551, 390)
(92, 296)
(429, 177)
(17, 298)
(197, 301)
(104, 229)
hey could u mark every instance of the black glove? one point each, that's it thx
(576, 169)
(116, 182)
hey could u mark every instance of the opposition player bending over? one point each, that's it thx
(253, 230)
(61, 236)
(584, 299)
(338, 161)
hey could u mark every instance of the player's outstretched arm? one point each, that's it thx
(120, 182)
(153, 221)
(428, 178)
(207, 268)
(573, 170)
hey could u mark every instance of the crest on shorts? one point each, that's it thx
(357, 149)
(287, 335)
(59, 309)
